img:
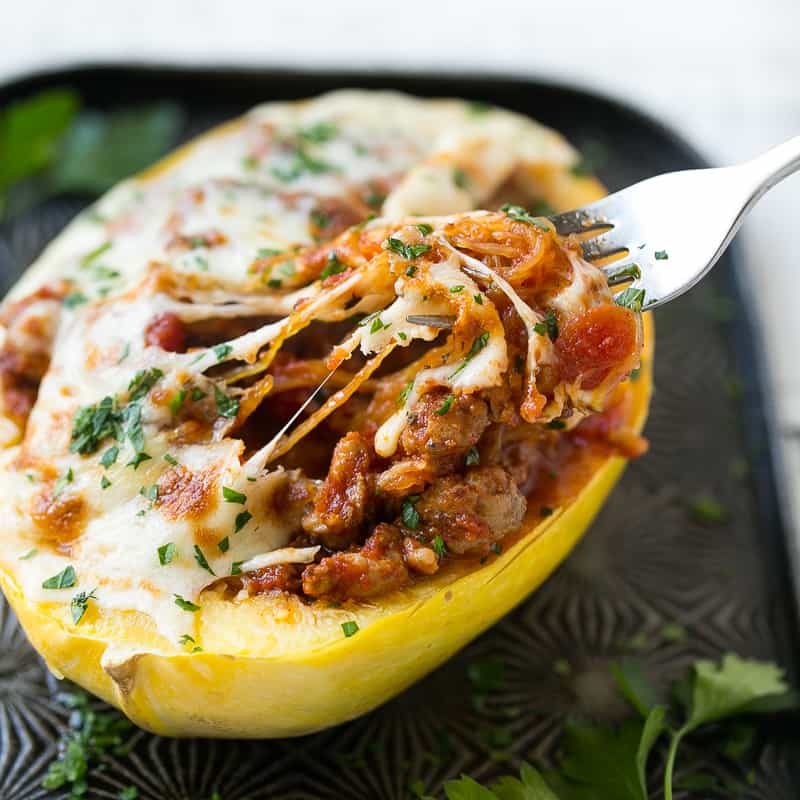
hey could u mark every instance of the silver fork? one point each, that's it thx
(664, 234)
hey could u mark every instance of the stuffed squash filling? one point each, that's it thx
(338, 416)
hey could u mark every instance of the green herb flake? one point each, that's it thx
(460, 178)
(104, 482)
(186, 605)
(176, 402)
(242, 518)
(167, 553)
(407, 251)
(519, 214)
(93, 255)
(456, 289)
(142, 382)
(227, 407)
(349, 628)
(445, 406)
(236, 567)
(30, 554)
(707, 510)
(403, 396)
(170, 459)
(409, 513)
(224, 545)
(140, 457)
(377, 324)
(63, 480)
(333, 266)
(549, 327)
(274, 283)
(64, 580)
(478, 298)
(424, 228)
(439, 547)
(630, 298)
(661, 255)
(74, 299)
(109, 457)
(545, 511)
(473, 457)
(221, 351)
(200, 558)
(197, 395)
(556, 425)
(79, 604)
(477, 345)
(232, 496)
(411, 271)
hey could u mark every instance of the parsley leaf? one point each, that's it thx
(350, 628)
(79, 604)
(186, 605)
(166, 553)
(64, 580)
(409, 513)
(222, 350)
(406, 251)
(549, 327)
(226, 406)
(333, 266)
(630, 298)
(242, 518)
(519, 214)
(143, 381)
(477, 346)
(232, 496)
(445, 406)
(200, 558)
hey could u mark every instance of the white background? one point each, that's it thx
(725, 74)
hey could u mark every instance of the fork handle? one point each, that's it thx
(773, 166)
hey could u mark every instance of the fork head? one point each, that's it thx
(662, 235)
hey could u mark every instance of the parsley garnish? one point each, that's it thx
(377, 324)
(222, 350)
(407, 251)
(104, 482)
(62, 482)
(224, 545)
(236, 567)
(460, 178)
(473, 457)
(30, 554)
(176, 402)
(549, 327)
(456, 289)
(708, 510)
(63, 580)
(274, 283)
(478, 298)
(349, 628)
(186, 605)
(319, 132)
(519, 214)
(74, 299)
(138, 459)
(409, 513)
(333, 266)
(142, 382)
(402, 336)
(661, 255)
(630, 298)
(411, 271)
(424, 228)
(232, 496)
(170, 459)
(200, 558)
(556, 425)
(320, 218)
(94, 423)
(477, 346)
(197, 394)
(166, 553)
(445, 406)
(226, 406)
(403, 396)
(545, 511)
(94, 254)
(242, 518)
(439, 547)
(79, 604)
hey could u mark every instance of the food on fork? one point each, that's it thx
(269, 459)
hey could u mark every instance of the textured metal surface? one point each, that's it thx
(644, 564)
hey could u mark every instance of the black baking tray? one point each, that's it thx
(646, 563)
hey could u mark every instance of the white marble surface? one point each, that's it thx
(727, 78)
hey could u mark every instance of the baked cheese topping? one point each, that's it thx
(140, 476)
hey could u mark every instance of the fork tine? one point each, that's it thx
(622, 273)
(580, 220)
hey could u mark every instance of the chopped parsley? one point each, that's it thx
(224, 545)
(349, 628)
(549, 327)
(138, 459)
(545, 511)
(661, 255)
(186, 639)
(104, 482)
(232, 496)
(630, 298)
(478, 298)
(333, 266)
(222, 350)
(79, 604)
(319, 132)
(170, 459)
(197, 394)
(64, 580)
(226, 406)
(402, 336)
(445, 406)
(519, 214)
(460, 178)
(167, 553)
(186, 605)
(556, 425)
(110, 456)
(411, 271)
(403, 396)
(456, 289)
(439, 547)
(319, 218)
(95, 254)
(377, 324)
(142, 382)
(707, 510)
(301, 162)
(30, 554)
(406, 251)
(62, 482)
(424, 228)
(94, 423)
(409, 513)
(473, 457)
(236, 567)
(477, 346)
(274, 283)
(149, 493)
(242, 518)
(176, 402)
(200, 558)
(74, 299)
(268, 252)
(496, 548)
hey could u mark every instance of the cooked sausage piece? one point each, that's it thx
(281, 577)
(344, 501)
(472, 512)
(375, 569)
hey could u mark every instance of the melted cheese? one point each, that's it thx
(207, 214)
